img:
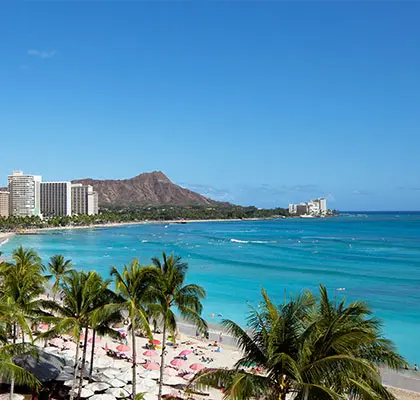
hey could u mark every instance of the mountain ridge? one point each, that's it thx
(148, 188)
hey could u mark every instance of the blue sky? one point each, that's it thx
(253, 102)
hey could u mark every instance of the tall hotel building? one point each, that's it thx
(55, 199)
(4, 204)
(24, 194)
(84, 200)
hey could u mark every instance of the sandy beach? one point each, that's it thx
(5, 236)
(181, 363)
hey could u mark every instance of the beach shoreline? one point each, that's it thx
(5, 237)
(29, 231)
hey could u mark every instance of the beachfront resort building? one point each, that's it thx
(55, 199)
(314, 208)
(24, 194)
(84, 199)
(4, 204)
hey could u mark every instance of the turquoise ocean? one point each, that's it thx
(374, 257)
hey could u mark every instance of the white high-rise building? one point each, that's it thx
(4, 204)
(55, 199)
(84, 199)
(24, 194)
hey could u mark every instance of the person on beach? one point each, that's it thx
(415, 367)
(220, 337)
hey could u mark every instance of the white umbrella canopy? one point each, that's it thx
(69, 383)
(102, 362)
(152, 374)
(16, 396)
(116, 383)
(104, 396)
(173, 380)
(51, 349)
(126, 376)
(120, 364)
(117, 392)
(98, 386)
(64, 376)
(86, 393)
(111, 373)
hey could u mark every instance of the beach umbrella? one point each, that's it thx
(155, 342)
(118, 392)
(98, 386)
(152, 366)
(123, 348)
(150, 353)
(178, 362)
(43, 327)
(188, 377)
(173, 381)
(126, 376)
(86, 393)
(64, 376)
(152, 374)
(51, 349)
(57, 342)
(16, 396)
(70, 346)
(104, 396)
(197, 367)
(116, 383)
(99, 351)
(97, 340)
(170, 371)
(103, 362)
(111, 373)
(44, 366)
(185, 353)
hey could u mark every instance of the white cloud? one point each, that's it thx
(41, 54)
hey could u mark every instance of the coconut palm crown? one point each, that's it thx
(312, 349)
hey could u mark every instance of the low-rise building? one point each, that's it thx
(315, 207)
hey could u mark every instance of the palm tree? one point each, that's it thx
(22, 284)
(171, 292)
(73, 315)
(314, 350)
(58, 268)
(132, 285)
(102, 320)
(9, 371)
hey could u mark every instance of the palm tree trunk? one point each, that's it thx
(92, 354)
(133, 341)
(76, 367)
(162, 358)
(12, 382)
(83, 362)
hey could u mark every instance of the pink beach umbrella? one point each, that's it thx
(170, 371)
(150, 353)
(185, 353)
(197, 367)
(43, 327)
(177, 362)
(97, 340)
(152, 366)
(155, 342)
(123, 348)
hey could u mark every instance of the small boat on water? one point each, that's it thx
(307, 216)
